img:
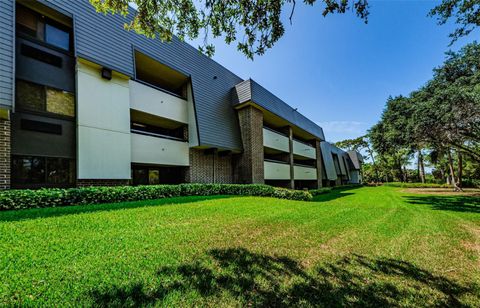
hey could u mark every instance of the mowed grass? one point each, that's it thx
(370, 246)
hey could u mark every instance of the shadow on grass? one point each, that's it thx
(335, 193)
(80, 209)
(448, 203)
(254, 279)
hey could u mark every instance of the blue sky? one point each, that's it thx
(339, 71)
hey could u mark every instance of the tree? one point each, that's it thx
(360, 144)
(465, 12)
(393, 138)
(256, 25)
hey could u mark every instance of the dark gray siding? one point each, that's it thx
(328, 161)
(28, 142)
(7, 10)
(102, 39)
(242, 92)
(265, 99)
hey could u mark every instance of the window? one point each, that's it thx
(32, 171)
(29, 96)
(60, 102)
(60, 171)
(152, 175)
(27, 21)
(42, 28)
(57, 37)
(33, 97)
(28, 170)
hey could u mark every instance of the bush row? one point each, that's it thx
(320, 191)
(53, 197)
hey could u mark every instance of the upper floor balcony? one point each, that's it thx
(304, 150)
(304, 173)
(159, 150)
(275, 140)
(276, 170)
(160, 103)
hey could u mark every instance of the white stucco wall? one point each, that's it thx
(103, 127)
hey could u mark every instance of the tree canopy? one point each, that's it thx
(442, 117)
(254, 25)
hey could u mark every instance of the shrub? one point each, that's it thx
(320, 191)
(24, 199)
(283, 193)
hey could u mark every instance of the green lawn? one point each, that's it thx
(372, 246)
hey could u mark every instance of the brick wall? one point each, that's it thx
(248, 166)
(5, 148)
(101, 182)
(209, 167)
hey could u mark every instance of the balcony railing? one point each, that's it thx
(276, 170)
(274, 140)
(304, 150)
(159, 151)
(150, 100)
(304, 173)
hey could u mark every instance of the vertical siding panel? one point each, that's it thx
(7, 55)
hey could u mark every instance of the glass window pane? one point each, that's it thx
(28, 170)
(60, 102)
(140, 177)
(29, 96)
(153, 177)
(26, 21)
(60, 171)
(57, 37)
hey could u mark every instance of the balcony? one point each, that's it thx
(159, 151)
(304, 173)
(304, 150)
(153, 101)
(276, 171)
(275, 140)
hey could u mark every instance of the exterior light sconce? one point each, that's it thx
(106, 73)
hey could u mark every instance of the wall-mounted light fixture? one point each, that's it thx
(106, 73)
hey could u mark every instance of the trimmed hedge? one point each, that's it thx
(320, 191)
(24, 199)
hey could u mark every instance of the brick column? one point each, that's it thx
(249, 164)
(5, 149)
(319, 163)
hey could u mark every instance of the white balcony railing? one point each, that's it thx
(304, 150)
(160, 151)
(276, 171)
(275, 140)
(150, 100)
(304, 173)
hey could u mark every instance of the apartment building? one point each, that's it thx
(84, 102)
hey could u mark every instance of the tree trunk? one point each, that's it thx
(405, 174)
(452, 171)
(421, 167)
(460, 169)
(377, 178)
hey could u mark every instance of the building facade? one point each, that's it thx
(84, 102)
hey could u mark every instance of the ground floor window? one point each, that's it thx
(153, 175)
(37, 171)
